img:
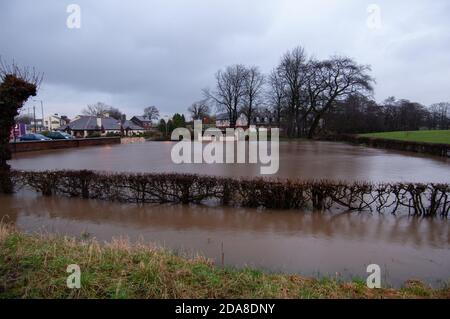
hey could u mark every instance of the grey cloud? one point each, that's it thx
(139, 53)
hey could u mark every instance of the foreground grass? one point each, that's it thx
(441, 137)
(34, 266)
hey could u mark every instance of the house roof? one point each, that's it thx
(142, 118)
(131, 125)
(89, 123)
(222, 117)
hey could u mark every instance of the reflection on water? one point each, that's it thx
(287, 241)
(302, 159)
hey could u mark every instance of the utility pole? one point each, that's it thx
(42, 110)
(34, 118)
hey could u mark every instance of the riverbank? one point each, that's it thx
(34, 266)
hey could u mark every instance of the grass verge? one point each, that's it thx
(436, 136)
(34, 266)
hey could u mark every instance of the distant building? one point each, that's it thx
(54, 121)
(261, 118)
(223, 121)
(143, 121)
(17, 131)
(264, 118)
(85, 126)
(36, 125)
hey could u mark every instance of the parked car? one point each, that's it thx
(34, 137)
(59, 136)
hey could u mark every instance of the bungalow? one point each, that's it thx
(85, 126)
(144, 122)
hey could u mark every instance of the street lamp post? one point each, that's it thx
(34, 119)
(42, 109)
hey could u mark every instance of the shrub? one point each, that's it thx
(414, 198)
(94, 134)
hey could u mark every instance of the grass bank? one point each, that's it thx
(34, 266)
(437, 137)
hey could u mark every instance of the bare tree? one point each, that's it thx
(276, 95)
(330, 81)
(102, 109)
(291, 71)
(440, 114)
(254, 82)
(229, 91)
(97, 109)
(199, 110)
(151, 112)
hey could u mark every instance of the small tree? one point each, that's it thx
(199, 110)
(151, 112)
(178, 120)
(23, 119)
(16, 86)
(102, 109)
(162, 126)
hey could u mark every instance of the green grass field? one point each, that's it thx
(441, 137)
(34, 266)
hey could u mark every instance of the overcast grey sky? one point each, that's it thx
(133, 54)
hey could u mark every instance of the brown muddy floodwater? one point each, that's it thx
(303, 159)
(311, 244)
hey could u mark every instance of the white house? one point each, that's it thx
(53, 122)
(223, 120)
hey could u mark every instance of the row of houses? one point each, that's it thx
(85, 126)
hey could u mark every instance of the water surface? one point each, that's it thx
(283, 241)
(301, 159)
(311, 244)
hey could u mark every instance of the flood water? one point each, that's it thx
(311, 244)
(302, 159)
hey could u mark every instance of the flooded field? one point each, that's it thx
(311, 244)
(303, 159)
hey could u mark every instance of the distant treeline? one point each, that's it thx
(413, 198)
(442, 150)
(360, 114)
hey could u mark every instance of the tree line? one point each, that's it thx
(306, 96)
(359, 114)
